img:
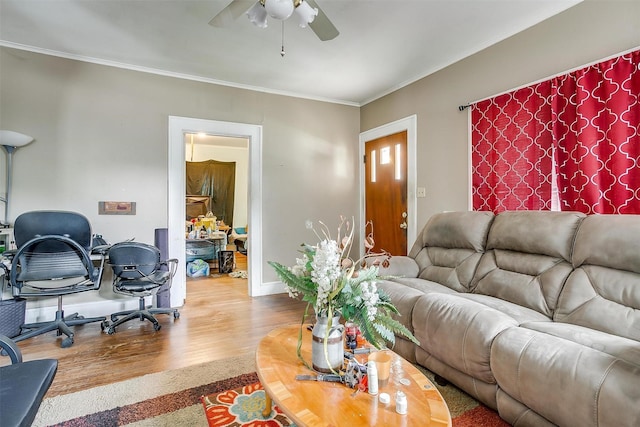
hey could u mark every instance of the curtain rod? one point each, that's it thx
(464, 107)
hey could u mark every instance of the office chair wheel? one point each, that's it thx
(157, 326)
(67, 342)
(176, 314)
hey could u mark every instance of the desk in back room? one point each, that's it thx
(206, 249)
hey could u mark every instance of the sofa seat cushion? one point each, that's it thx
(519, 313)
(403, 297)
(404, 294)
(566, 383)
(622, 348)
(424, 286)
(459, 331)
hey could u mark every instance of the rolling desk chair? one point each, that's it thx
(53, 259)
(138, 271)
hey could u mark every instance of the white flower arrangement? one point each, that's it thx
(331, 282)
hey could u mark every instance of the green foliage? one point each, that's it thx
(330, 281)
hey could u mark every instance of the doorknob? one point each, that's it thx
(403, 225)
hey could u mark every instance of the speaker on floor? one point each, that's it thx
(163, 298)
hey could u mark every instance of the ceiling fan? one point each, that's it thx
(307, 12)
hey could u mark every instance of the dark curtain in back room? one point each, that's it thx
(216, 180)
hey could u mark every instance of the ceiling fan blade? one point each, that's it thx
(230, 13)
(322, 26)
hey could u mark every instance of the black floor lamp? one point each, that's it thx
(10, 141)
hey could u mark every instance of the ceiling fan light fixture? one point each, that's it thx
(306, 14)
(258, 15)
(279, 9)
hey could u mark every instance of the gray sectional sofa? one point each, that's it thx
(536, 314)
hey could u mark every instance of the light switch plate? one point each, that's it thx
(421, 192)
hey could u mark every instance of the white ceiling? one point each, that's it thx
(383, 44)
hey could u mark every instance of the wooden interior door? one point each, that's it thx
(386, 192)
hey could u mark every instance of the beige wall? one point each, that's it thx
(585, 33)
(101, 134)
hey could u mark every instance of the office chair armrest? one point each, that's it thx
(172, 264)
(9, 254)
(101, 249)
(10, 347)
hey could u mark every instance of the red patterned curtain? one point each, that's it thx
(511, 150)
(596, 128)
(589, 118)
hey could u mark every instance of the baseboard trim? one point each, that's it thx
(86, 309)
(269, 289)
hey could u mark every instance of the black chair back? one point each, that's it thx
(53, 245)
(133, 260)
(34, 224)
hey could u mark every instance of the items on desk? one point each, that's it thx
(203, 227)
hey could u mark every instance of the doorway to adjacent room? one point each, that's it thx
(178, 128)
(217, 187)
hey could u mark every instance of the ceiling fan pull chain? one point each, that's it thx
(282, 51)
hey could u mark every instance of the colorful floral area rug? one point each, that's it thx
(242, 407)
(222, 392)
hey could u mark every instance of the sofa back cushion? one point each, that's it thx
(527, 260)
(449, 247)
(603, 292)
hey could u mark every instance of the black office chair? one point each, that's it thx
(138, 271)
(23, 385)
(53, 259)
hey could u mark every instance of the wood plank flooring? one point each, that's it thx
(218, 320)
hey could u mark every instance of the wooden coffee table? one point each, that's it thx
(310, 403)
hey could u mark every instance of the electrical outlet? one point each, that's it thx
(421, 192)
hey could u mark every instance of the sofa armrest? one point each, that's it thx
(398, 266)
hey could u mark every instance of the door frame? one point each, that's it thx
(409, 124)
(178, 126)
